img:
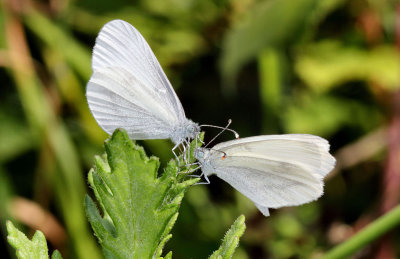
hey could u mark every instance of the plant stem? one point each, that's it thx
(376, 229)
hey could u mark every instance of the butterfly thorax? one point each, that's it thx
(203, 156)
(187, 130)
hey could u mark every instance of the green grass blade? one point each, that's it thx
(370, 233)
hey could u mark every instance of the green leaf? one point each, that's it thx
(56, 255)
(35, 249)
(231, 240)
(19, 138)
(268, 24)
(138, 208)
(271, 65)
(6, 194)
(324, 114)
(60, 40)
(327, 64)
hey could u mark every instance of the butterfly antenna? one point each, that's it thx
(216, 150)
(223, 129)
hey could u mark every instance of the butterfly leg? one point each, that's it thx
(198, 138)
(184, 153)
(205, 177)
(202, 174)
(199, 176)
(176, 157)
(188, 168)
(188, 150)
(192, 170)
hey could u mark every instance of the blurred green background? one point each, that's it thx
(325, 67)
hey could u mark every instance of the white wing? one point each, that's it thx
(273, 170)
(307, 151)
(268, 183)
(264, 210)
(120, 45)
(117, 99)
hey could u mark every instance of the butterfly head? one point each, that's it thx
(201, 154)
(192, 129)
(188, 130)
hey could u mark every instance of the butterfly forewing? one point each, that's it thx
(119, 44)
(273, 170)
(117, 100)
(308, 151)
(128, 88)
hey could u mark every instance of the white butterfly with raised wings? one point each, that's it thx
(128, 89)
(272, 170)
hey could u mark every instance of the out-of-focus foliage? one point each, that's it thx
(327, 67)
(18, 140)
(309, 114)
(271, 24)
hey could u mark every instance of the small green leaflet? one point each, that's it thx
(231, 240)
(29, 249)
